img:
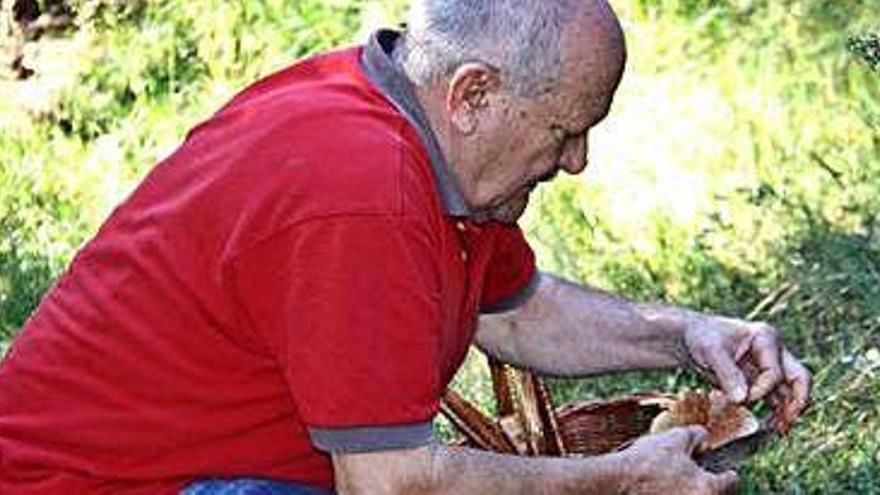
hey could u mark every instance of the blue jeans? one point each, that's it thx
(246, 486)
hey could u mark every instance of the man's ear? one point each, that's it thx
(468, 95)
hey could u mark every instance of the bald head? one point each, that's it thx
(529, 42)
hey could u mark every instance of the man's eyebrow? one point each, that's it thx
(581, 128)
(599, 117)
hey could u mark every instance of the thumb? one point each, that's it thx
(692, 437)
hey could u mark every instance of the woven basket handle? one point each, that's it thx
(527, 424)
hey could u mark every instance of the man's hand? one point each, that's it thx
(569, 330)
(664, 464)
(748, 362)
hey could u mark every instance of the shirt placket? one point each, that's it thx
(469, 251)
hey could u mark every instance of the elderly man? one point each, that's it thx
(279, 307)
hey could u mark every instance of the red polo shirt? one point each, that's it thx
(295, 275)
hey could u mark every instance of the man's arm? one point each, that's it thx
(568, 330)
(654, 465)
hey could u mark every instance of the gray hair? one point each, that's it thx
(522, 38)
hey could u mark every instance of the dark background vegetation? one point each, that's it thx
(739, 172)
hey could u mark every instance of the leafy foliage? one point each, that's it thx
(867, 46)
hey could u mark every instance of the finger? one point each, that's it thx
(725, 483)
(730, 378)
(776, 400)
(766, 353)
(801, 386)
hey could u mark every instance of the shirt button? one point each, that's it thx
(460, 226)
(464, 255)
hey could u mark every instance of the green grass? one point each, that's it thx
(742, 157)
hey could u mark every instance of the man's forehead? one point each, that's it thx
(577, 105)
(591, 89)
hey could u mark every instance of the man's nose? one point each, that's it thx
(575, 155)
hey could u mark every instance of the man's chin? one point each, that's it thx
(510, 211)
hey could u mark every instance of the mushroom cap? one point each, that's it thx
(724, 420)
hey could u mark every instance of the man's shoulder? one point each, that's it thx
(317, 139)
(324, 104)
(329, 87)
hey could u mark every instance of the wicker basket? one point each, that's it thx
(529, 425)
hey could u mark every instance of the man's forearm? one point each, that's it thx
(568, 330)
(449, 470)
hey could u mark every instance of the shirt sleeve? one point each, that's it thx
(512, 276)
(349, 306)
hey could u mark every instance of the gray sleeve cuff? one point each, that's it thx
(516, 300)
(370, 439)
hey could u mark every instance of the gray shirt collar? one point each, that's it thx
(382, 71)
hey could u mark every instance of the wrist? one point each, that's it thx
(672, 324)
(610, 473)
